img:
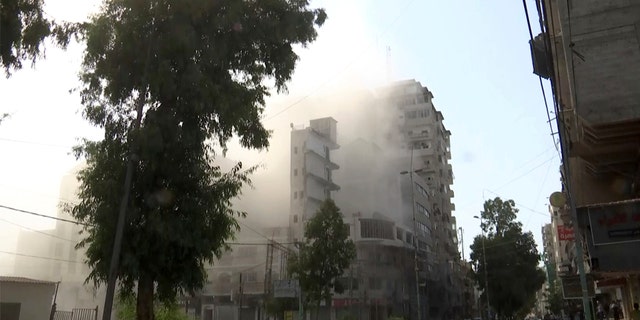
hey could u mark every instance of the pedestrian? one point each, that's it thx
(615, 310)
(600, 311)
(635, 314)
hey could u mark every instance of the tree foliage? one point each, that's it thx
(163, 79)
(511, 259)
(126, 310)
(555, 299)
(324, 255)
(23, 29)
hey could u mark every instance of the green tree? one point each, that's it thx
(164, 79)
(511, 260)
(23, 29)
(126, 310)
(555, 299)
(323, 256)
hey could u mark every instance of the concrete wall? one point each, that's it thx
(35, 299)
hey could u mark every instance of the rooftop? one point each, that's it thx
(7, 279)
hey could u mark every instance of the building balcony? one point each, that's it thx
(425, 152)
(326, 160)
(326, 140)
(330, 185)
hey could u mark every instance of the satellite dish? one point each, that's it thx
(557, 199)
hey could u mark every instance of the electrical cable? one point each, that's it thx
(38, 231)
(36, 143)
(42, 215)
(39, 257)
(544, 94)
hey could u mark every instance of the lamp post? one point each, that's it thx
(486, 277)
(415, 242)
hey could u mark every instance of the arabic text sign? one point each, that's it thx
(285, 288)
(565, 233)
(615, 223)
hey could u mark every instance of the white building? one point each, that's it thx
(424, 143)
(25, 299)
(311, 171)
(59, 260)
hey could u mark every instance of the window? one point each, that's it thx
(295, 172)
(421, 190)
(295, 150)
(295, 194)
(424, 230)
(408, 237)
(301, 194)
(348, 283)
(295, 218)
(372, 228)
(423, 113)
(10, 310)
(328, 173)
(375, 283)
(399, 233)
(422, 210)
(410, 114)
(249, 276)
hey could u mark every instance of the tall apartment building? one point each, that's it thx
(424, 142)
(311, 171)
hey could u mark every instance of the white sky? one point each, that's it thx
(473, 55)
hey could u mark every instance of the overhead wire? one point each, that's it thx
(38, 231)
(544, 94)
(40, 257)
(43, 215)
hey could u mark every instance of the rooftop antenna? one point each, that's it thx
(388, 64)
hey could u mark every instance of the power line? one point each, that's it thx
(279, 245)
(526, 173)
(36, 143)
(39, 257)
(38, 231)
(544, 94)
(522, 206)
(43, 215)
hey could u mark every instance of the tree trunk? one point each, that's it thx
(144, 307)
(318, 308)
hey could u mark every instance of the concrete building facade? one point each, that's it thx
(311, 177)
(25, 299)
(425, 144)
(590, 50)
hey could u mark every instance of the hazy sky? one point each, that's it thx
(473, 56)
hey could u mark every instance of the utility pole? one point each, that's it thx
(464, 293)
(486, 274)
(462, 243)
(415, 235)
(240, 293)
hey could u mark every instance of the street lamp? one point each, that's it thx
(486, 277)
(415, 234)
